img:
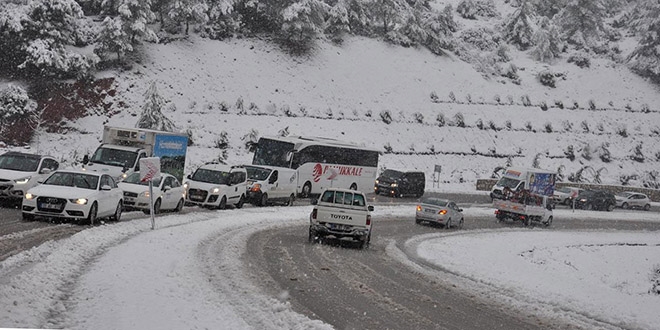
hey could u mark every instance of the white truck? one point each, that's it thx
(524, 194)
(343, 214)
(122, 148)
(269, 184)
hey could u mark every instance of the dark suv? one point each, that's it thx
(399, 184)
(595, 200)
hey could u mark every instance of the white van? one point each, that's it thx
(267, 185)
(216, 186)
(341, 213)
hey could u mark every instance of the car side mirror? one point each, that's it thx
(85, 159)
(45, 170)
(106, 188)
(189, 176)
(166, 188)
(313, 201)
(370, 207)
(460, 210)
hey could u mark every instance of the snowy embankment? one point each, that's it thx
(187, 273)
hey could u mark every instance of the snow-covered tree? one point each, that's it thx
(388, 13)
(359, 19)
(16, 107)
(35, 39)
(188, 12)
(471, 9)
(581, 22)
(152, 116)
(302, 21)
(518, 27)
(547, 41)
(135, 17)
(548, 8)
(337, 24)
(112, 39)
(645, 59)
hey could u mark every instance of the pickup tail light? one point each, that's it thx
(419, 208)
(369, 220)
(314, 211)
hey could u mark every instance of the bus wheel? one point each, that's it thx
(307, 189)
(353, 186)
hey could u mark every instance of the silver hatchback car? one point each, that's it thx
(631, 199)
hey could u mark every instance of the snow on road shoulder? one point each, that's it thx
(603, 276)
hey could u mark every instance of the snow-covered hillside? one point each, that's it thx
(342, 91)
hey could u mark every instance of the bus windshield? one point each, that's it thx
(272, 153)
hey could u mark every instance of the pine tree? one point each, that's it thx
(581, 22)
(16, 108)
(645, 59)
(152, 116)
(302, 21)
(188, 11)
(549, 8)
(112, 39)
(547, 41)
(136, 16)
(337, 24)
(518, 28)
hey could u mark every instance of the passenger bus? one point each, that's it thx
(320, 162)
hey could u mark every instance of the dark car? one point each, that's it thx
(399, 183)
(595, 200)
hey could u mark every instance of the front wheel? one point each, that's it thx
(223, 203)
(289, 202)
(27, 216)
(240, 203)
(179, 206)
(624, 206)
(647, 207)
(264, 200)
(609, 207)
(549, 222)
(118, 210)
(527, 221)
(460, 224)
(91, 217)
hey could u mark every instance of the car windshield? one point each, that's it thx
(19, 163)
(257, 173)
(435, 202)
(393, 174)
(68, 179)
(508, 182)
(565, 190)
(135, 179)
(211, 176)
(114, 157)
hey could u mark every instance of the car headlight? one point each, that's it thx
(30, 196)
(79, 201)
(215, 190)
(394, 185)
(377, 182)
(185, 186)
(23, 180)
(256, 187)
(145, 194)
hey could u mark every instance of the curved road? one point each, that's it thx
(351, 288)
(367, 289)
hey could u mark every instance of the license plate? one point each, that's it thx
(429, 211)
(50, 206)
(197, 198)
(338, 227)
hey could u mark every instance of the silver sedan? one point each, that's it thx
(440, 211)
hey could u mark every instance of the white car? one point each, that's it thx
(168, 194)
(341, 213)
(565, 195)
(631, 199)
(74, 194)
(216, 186)
(21, 171)
(440, 211)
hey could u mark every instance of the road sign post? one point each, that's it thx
(149, 171)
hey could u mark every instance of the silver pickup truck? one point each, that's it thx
(341, 213)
